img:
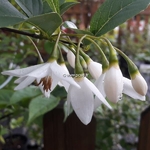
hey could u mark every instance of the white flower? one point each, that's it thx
(99, 83)
(139, 84)
(94, 68)
(129, 90)
(113, 84)
(47, 76)
(71, 58)
(82, 100)
(63, 82)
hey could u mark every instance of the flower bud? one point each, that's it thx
(95, 69)
(139, 84)
(71, 58)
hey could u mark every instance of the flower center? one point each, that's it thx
(46, 82)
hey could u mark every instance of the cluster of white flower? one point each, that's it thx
(83, 95)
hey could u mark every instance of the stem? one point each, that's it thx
(78, 66)
(41, 60)
(131, 66)
(22, 33)
(113, 55)
(105, 63)
(54, 54)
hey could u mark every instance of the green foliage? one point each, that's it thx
(113, 13)
(9, 15)
(65, 6)
(40, 105)
(49, 27)
(30, 7)
(54, 5)
(42, 20)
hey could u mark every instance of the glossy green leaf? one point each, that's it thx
(46, 22)
(65, 6)
(26, 93)
(46, 8)
(40, 105)
(61, 2)
(5, 96)
(31, 7)
(54, 5)
(113, 13)
(9, 15)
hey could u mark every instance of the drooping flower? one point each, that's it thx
(94, 68)
(129, 90)
(113, 83)
(47, 76)
(99, 83)
(82, 100)
(71, 58)
(139, 84)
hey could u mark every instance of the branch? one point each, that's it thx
(21, 32)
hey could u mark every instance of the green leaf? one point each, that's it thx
(46, 22)
(9, 15)
(26, 93)
(31, 7)
(113, 13)
(65, 6)
(46, 8)
(61, 2)
(54, 5)
(5, 96)
(40, 105)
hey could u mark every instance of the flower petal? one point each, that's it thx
(40, 72)
(71, 58)
(113, 84)
(100, 86)
(95, 69)
(19, 80)
(21, 72)
(139, 84)
(27, 81)
(99, 83)
(59, 72)
(96, 92)
(129, 90)
(82, 101)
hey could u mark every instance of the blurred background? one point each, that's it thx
(115, 130)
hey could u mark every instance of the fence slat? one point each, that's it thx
(144, 132)
(68, 135)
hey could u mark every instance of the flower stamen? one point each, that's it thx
(46, 82)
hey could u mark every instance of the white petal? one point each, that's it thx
(129, 90)
(25, 83)
(19, 80)
(71, 58)
(100, 86)
(113, 84)
(21, 72)
(96, 92)
(66, 85)
(55, 81)
(95, 69)
(47, 93)
(99, 83)
(41, 71)
(139, 84)
(59, 72)
(82, 102)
